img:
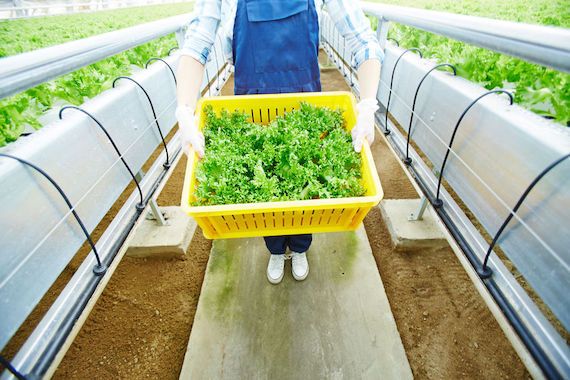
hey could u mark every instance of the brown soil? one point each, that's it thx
(445, 326)
(140, 326)
(45, 303)
(543, 307)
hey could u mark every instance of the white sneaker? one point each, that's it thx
(300, 266)
(276, 268)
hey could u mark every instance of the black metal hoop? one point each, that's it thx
(393, 39)
(99, 269)
(386, 130)
(172, 49)
(438, 202)
(166, 165)
(141, 205)
(407, 159)
(166, 63)
(485, 271)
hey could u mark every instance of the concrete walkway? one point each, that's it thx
(336, 324)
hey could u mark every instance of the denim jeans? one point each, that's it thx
(277, 245)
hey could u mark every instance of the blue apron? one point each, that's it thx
(275, 47)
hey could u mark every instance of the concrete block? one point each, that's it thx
(337, 324)
(410, 235)
(172, 240)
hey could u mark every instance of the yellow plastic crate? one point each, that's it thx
(288, 217)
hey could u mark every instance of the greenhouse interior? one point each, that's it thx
(284, 189)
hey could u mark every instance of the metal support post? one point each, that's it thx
(382, 32)
(180, 36)
(156, 214)
(419, 213)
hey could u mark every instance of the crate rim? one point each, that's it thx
(282, 206)
(201, 101)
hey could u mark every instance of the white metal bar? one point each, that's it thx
(549, 46)
(27, 70)
(419, 213)
(94, 5)
(382, 32)
(157, 213)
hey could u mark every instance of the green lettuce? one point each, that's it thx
(305, 154)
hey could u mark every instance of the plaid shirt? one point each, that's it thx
(347, 15)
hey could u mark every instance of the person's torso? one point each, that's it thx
(275, 46)
(228, 15)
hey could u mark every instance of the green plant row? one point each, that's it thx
(19, 36)
(305, 154)
(537, 88)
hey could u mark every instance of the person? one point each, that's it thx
(274, 48)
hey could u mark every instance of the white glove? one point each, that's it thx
(364, 128)
(190, 135)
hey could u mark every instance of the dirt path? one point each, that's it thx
(141, 324)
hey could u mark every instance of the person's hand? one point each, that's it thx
(190, 135)
(364, 128)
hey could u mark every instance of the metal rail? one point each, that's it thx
(91, 6)
(45, 342)
(549, 46)
(36, 356)
(479, 173)
(71, 150)
(81, 160)
(23, 71)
